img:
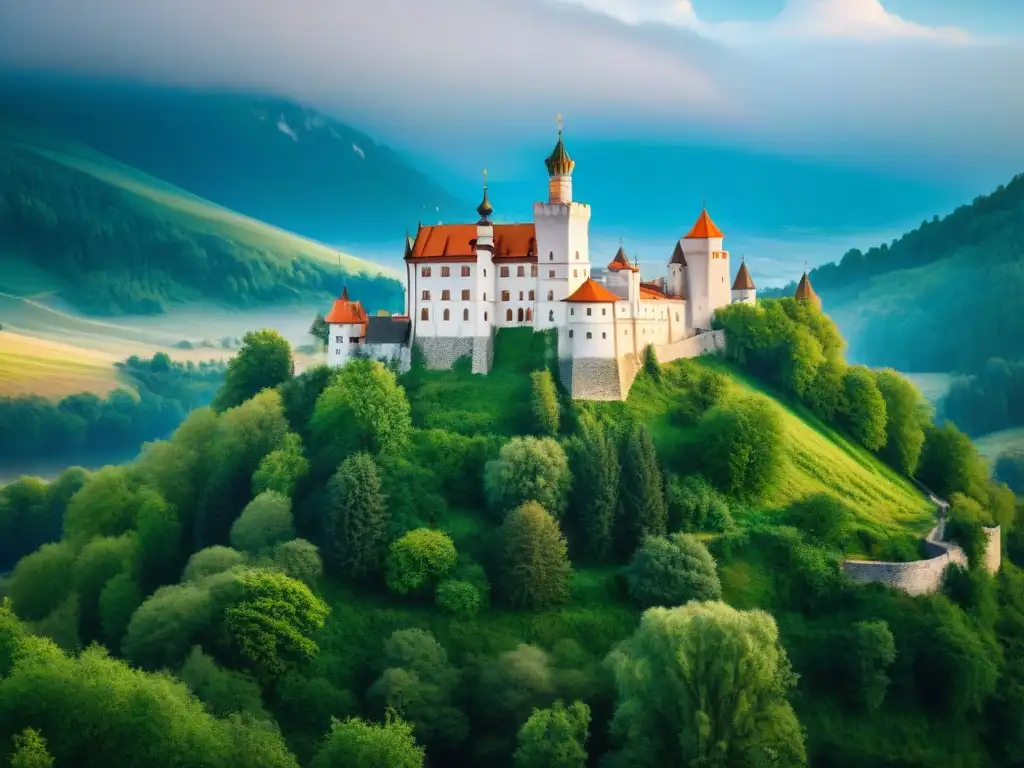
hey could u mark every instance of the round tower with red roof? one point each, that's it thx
(347, 321)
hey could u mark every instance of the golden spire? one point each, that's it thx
(559, 163)
(485, 209)
(559, 118)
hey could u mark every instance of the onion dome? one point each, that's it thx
(485, 209)
(559, 163)
(805, 292)
(743, 281)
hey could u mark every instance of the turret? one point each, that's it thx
(677, 272)
(805, 292)
(484, 281)
(347, 321)
(560, 167)
(707, 274)
(743, 289)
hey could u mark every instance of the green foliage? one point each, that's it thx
(356, 518)
(651, 365)
(212, 560)
(528, 469)
(158, 538)
(951, 464)
(742, 447)
(545, 403)
(363, 408)
(988, 401)
(593, 503)
(223, 691)
(300, 393)
(903, 422)
(872, 651)
(299, 559)
(694, 505)
(642, 509)
(99, 561)
(281, 469)
(30, 515)
(107, 505)
(270, 625)
(458, 598)
(41, 581)
(822, 519)
(965, 526)
(1009, 469)
(354, 742)
(320, 330)
(863, 412)
(265, 522)
(532, 559)
(119, 599)
(419, 559)
(30, 750)
(555, 737)
(672, 570)
(517, 682)
(263, 362)
(678, 679)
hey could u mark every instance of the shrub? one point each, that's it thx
(459, 598)
(651, 365)
(742, 446)
(528, 469)
(823, 519)
(694, 505)
(545, 403)
(672, 570)
(419, 559)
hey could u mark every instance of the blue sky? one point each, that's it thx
(926, 93)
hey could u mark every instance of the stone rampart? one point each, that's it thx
(483, 354)
(709, 342)
(922, 577)
(441, 352)
(591, 378)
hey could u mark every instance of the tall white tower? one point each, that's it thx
(563, 248)
(708, 279)
(677, 273)
(484, 279)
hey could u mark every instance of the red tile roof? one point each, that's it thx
(345, 312)
(805, 292)
(743, 280)
(592, 292)
(621, 261)
(457, 242)
(704, 227)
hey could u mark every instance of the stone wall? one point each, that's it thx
(922, 577)
(441, 352)
(399, 355)
(591, 378)
(483, 354)
(709, 342)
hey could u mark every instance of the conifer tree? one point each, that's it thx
(642, 508)
(594, 455)
(356, 517)
(30, 750)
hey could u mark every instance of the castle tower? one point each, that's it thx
(743, 289)
(588, 345)
(347, 321)
(563, 249)
(677, 272)
(707, 272)
(484, 282)
(805, 292)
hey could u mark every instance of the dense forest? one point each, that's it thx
(110, 251)
(352, 568)
(943, 297)
(85, 425)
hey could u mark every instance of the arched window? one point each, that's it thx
(485, 273)
(529, 315)
(570, 334)
(485, 317)
(531, 295)
(551, 255)
(577, 255)
(465, 314)
(485, 296)
(506, 296)
(424, 314)
(551, 295)
(520, 314)
(508, 315)
(447, 314)
(604, 310)
(520, 295)
(551, 316)
(604, 335)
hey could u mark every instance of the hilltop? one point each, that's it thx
(265, 157)
(930, 300)
(106, 238)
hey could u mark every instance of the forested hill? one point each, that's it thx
(265, 157)
(944, 297)
(109, 239)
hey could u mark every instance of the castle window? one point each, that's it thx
(505, 296)
(551, 295)
(485, 317)
(533, 270)
(531, 295)
(551, 255)
(520, 271)
(424, 314)
(520, 314)
(604, 311)
(426, 296)
(677, 317)
(465, 314)
(604, 335)
(485, 296)
(529, 315)
(446, 295)
(465, 295)
(508, 315)
(353, 340)
(447, 315)
(551, 274)
(504, 272)
(590, 335)
(589, 312)
(577, 255)
(520, 295)
(425, 272)
(485, 273)
(570, 334)
(465, 271)
(575, 273)
(572, 310)
(339, 339)
(337, 351)
(551, 316)
(446, 272)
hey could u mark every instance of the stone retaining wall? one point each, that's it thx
(441, 352)
(483, 354)
(709, 342)
(591, 378)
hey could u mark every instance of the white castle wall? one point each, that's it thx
(712, 342)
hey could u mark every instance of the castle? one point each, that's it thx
(466, 281)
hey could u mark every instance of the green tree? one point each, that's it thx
(950, 463)
(672, 570)
(362, 409)
(270, 625)
(694, 505)
(299, 559)
(119, 599)
(356, 518)
(223, 691)
(555, 737)
(822, 519)
(545, 403)
(263, 362)
(528, 469)
(30, 750)
(158, 550)
(903, 423)
(459, 598)
(354, 742)
(742, 447)
(872, 651)
(680, 679)
(642, 496)
(211, 560)
(41, 581)
(864, 414)
(418, 559)
(651, 365)
(826, 395)
(281, 469)
(265, 522)
(516, 683)
(532, 559)
(107, 505)
(26, 519)
(320, 330)
(99, 561)
(594, 458)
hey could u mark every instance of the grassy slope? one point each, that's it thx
(30, 365)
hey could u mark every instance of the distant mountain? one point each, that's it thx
(268, 158)
(946, 296)
(110, 239)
